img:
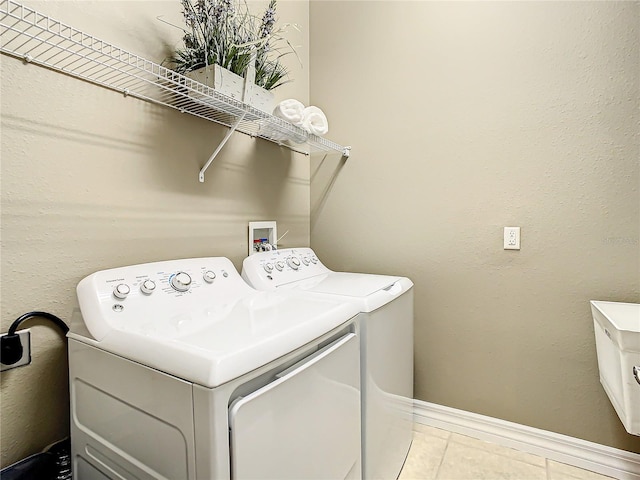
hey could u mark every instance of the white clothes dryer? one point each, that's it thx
(386, 349)
(179, 370)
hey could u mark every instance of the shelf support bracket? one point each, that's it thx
(222, 143)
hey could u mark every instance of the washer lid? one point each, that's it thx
(368, 291)
(347, 284)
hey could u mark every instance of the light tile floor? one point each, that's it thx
(441, 455)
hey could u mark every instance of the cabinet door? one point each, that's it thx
(305, 424)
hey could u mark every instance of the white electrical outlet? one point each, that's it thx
(512, 238)
(25, 339)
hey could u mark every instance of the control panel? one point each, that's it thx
(269, 270)
(150, 298)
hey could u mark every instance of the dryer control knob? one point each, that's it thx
(268, 267)
(147, 287)
(209, 276)
(121, 291)
(293, 262)
(181, 281)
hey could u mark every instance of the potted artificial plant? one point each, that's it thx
(232, 51)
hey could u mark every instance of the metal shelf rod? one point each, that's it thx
(217, 150)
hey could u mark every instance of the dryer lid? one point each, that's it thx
(216, 330)
(213, 345)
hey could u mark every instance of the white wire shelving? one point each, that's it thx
(39, 39)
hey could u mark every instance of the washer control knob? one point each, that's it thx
(148, 286)
(305, 260)
(314, 259)
(268, 267)
(209, 276)
(293, 262)
(181, 281)
(121, 291)
(280, 265)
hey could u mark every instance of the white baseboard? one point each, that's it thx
(554, 446)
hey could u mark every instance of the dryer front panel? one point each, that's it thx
(305, 424)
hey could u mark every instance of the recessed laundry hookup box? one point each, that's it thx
(617, 330)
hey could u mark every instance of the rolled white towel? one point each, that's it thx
(290, 110)
(314, 121)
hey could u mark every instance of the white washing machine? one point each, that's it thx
(386, 334)
(179, 370)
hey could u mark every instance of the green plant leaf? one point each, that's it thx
(226, 33)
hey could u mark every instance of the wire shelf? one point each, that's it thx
(39, 39)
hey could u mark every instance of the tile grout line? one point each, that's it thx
(504, 454)
(451, 438)
(446, 447)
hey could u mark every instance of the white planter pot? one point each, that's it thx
(220, 79)
(260, 98)
(234, 86)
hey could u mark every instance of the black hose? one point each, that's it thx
(16, 323)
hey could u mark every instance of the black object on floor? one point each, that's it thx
(52, 464)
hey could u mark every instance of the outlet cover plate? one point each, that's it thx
(25, 339)
(512, 238)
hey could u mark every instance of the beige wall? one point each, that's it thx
(466, 117)
(91, 180)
